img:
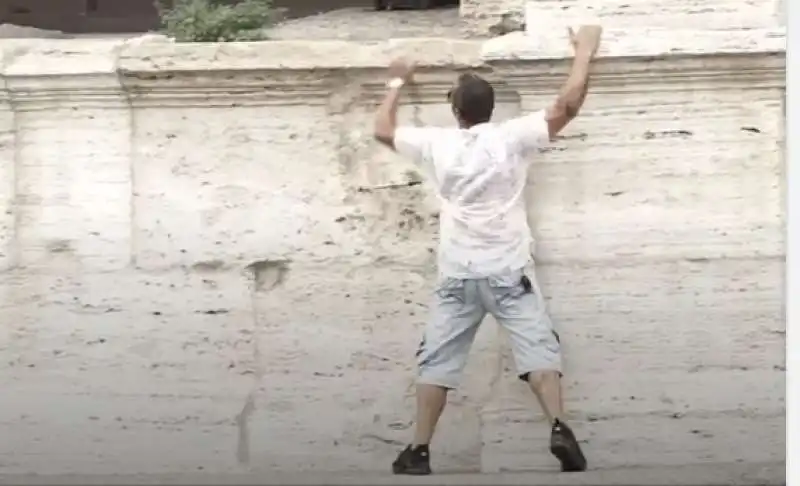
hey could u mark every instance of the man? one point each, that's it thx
(479, 171)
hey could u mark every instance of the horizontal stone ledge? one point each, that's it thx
(76, 57)
(42, 73)
(96, 57)
(298, 55)
(637, 43)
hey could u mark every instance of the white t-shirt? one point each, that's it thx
(479, 176)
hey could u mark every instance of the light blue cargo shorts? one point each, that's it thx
(460, 306)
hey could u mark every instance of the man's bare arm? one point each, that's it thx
(570, 99)
(400, 73)
(386, 118)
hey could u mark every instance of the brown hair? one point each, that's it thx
(472, 99)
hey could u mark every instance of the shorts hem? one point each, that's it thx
(524, 375)
(446, 384)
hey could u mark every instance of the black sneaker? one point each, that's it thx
(565, 447)
(413, 461)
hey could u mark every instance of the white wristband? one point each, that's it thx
(395, 83)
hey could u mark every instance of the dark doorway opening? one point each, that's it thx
(303, 8)
(131, 16)
(81, 16)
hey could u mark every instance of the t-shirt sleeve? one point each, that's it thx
(414, 142)
(528, 132)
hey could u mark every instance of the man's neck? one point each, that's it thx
(467, 126)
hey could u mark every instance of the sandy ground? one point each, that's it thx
(367, 24)
(10, 31)
(708, 474)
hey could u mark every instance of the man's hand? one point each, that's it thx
(587, 40)
(403, 69)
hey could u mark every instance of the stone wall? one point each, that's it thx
(207, 264)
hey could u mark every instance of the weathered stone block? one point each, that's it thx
(148, 179)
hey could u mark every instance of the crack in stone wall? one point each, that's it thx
(265, 276)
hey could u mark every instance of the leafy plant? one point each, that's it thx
(216, 20)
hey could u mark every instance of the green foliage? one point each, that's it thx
(216, 20)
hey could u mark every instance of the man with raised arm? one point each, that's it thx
(479, 172)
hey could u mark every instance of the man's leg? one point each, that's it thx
(457, 312)
(431, 400)
(547, 385)
(520, 308)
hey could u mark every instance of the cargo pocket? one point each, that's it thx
(507, 290)
(451, 291)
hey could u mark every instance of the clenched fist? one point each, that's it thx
(403, 69)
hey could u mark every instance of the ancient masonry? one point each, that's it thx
(207, 265)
